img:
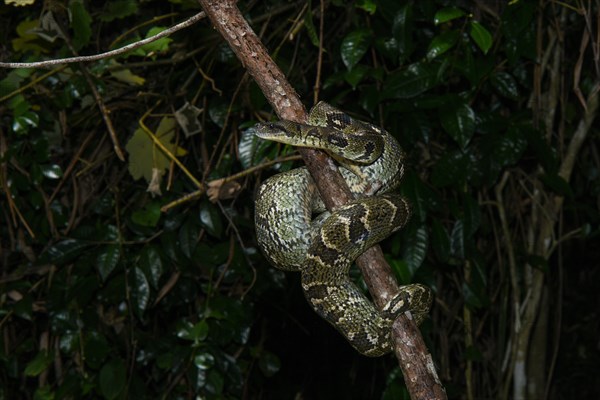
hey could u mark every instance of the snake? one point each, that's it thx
(296, 232)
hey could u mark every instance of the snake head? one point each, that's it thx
(278, 131)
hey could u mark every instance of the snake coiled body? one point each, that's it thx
(323, 248)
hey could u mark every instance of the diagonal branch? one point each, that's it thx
(419, 373)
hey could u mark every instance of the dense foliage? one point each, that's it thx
(108, 290)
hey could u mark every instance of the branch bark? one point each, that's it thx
(419, 373)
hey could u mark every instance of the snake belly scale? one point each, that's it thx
(323, 248)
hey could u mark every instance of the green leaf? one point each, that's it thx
(204, 361)
(368, 5)
(158, 46)
(269, 363)
(403, 29)
(148, 216)
(188, 237)
(558, 185)
(107, 260)
(22, 123)
(442, 43)
(39, 364)
(459, 122)
(151, 264)
(440, 240)
(505, 84)
(450, 169)
(96, 349)
(472, 215)
(44, 393)
(447, 14)
(354, 46)
(80, 23)
(24, 307)
(356, 75)
(197, 332)
(112, 379)
(509, 148)
(65, 250)
(410, 82)
(53, 171)
(118, 9)
(416, 249)
(210, 219)
(140, 291)
(457, 240)
(310, 28)
(481, 36)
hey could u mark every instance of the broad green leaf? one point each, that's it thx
(450, 169)
(52, 171)
(113, 377)
(210, 219)
(152, 265)
(28, 40)
(509, 147)
(118, 9)
(196, 333)
(22, 123)
(440, 240)
(65, 250)
(410, 82)
(459, 121)
(215, 383)
(204, 361)
(96, 349)
(356, 75)
(39, 364)
(107, 260)
(310, 28)
(447, 14)
(269, 363)
(45, 392)
(80, 23)
(457, 240)
(140, 291)
(251, 148)
(442, 43)
(481, 36)
(369, 6)
(188, 237)
(158, 46)
(505, 84)
(416, 249)
(403, 29)
(24, 307)
(470, 296)
(472, 215)
(354, 46)
(557, 184)
(148, 216)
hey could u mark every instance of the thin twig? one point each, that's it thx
(45, 64)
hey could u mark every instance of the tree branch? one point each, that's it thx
(419, 373)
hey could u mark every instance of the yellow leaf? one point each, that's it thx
(19, 2)
(125, 75)
(144, 154)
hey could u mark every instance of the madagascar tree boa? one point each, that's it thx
(324, 248)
